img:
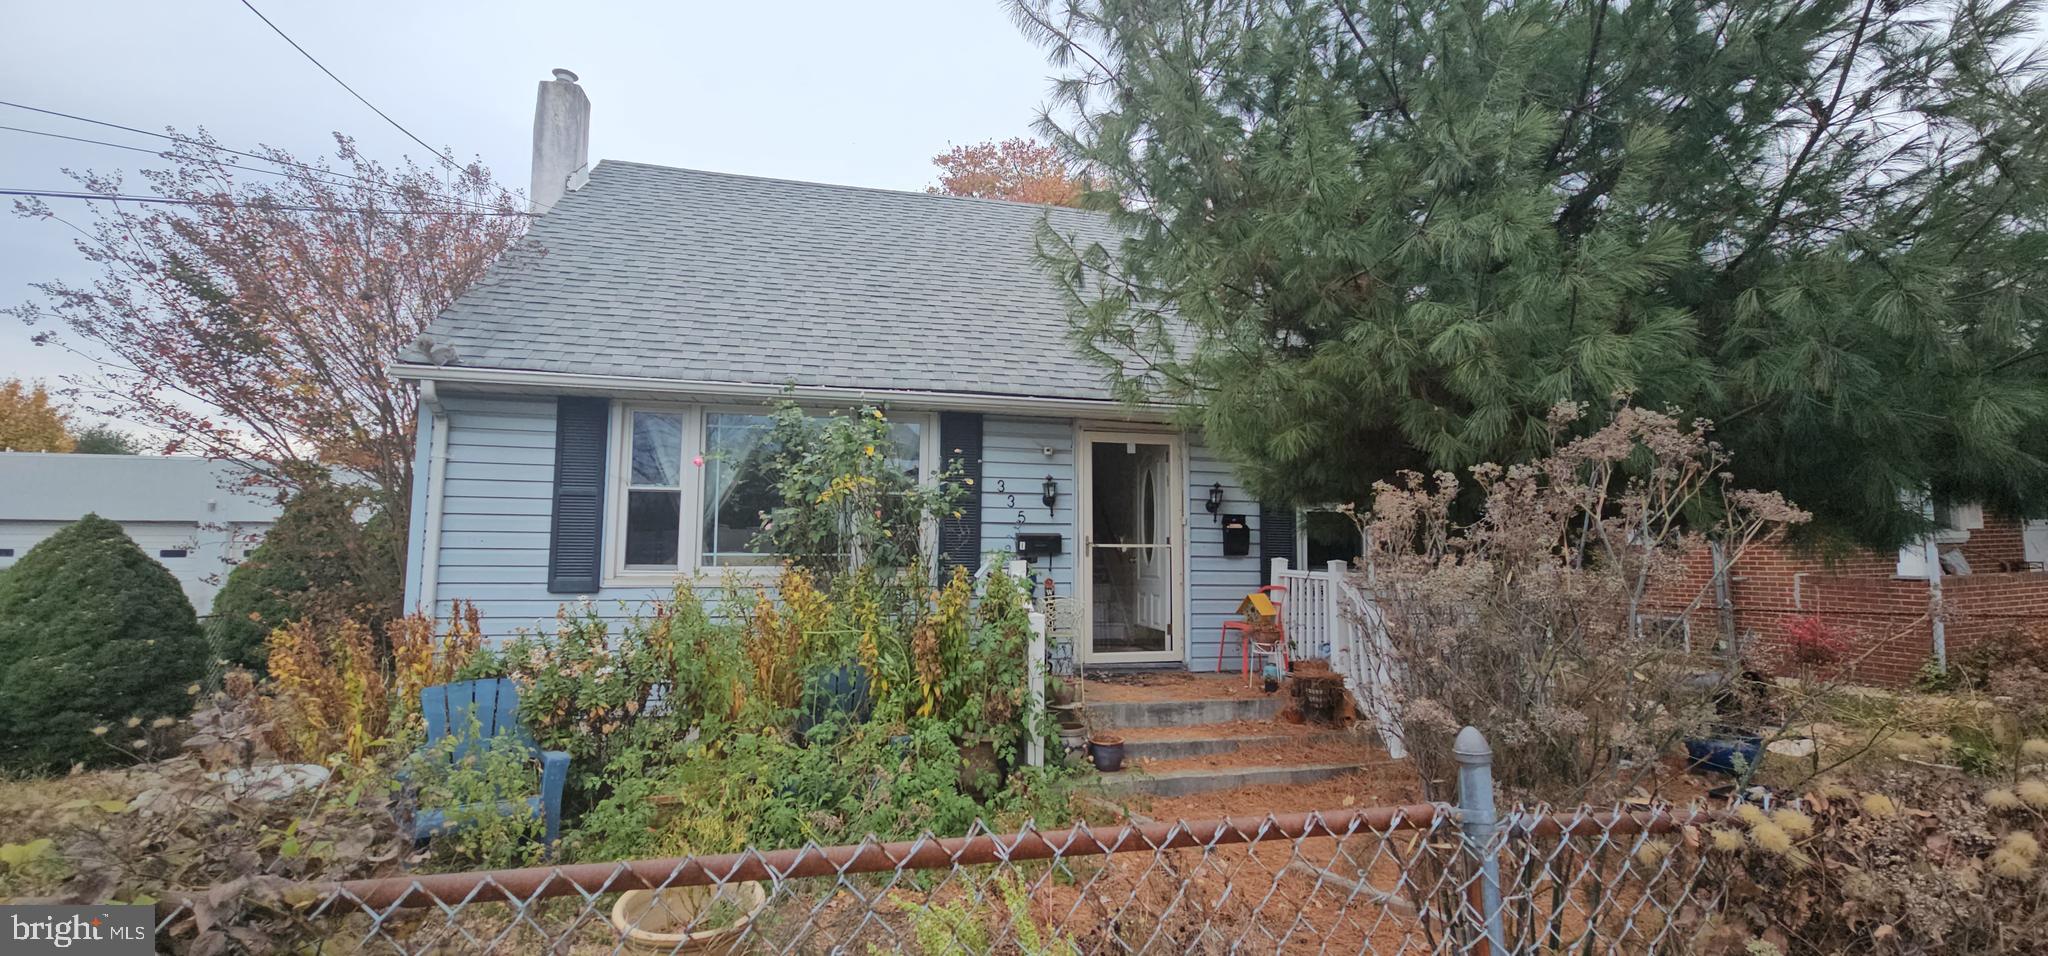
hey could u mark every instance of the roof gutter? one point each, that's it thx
(573, 383)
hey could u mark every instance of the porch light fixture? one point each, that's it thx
(1050, 495)
(1215, 502)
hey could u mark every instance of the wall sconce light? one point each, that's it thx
(1215, 502)
(1051, 494)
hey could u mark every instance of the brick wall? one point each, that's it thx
(1998, 546)
(1887, 616)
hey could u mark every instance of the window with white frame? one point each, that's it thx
(739, 488)
(693, 487)
(654, 491)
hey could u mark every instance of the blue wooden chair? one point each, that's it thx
(493, 705)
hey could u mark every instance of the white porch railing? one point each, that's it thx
(1326, 616)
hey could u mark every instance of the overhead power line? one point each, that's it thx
(344, 85)
(202, 144)
(187, 140)
(287, 207)
(132, 149)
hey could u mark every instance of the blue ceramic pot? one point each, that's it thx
(1109, 756)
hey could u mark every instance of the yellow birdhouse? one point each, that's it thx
(1258, 608)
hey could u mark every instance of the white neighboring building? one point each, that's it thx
(180, 510)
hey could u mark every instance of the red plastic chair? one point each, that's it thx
(1247, 643)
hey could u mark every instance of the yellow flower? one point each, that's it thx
(1879, 805)
(1652, 851)
(1796, 823)
(1751, 814)
(192, 690)
(870, 451)
(2023, 845)
(133, 722)
(2009, 865)
(100, 731)
(2035, 793)
(1771, 838)
(2035, 749)
(2002, 799)
(162, 722)
(1726, 840)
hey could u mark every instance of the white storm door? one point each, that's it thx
(1131, 547)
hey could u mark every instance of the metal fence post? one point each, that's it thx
(1477, 821)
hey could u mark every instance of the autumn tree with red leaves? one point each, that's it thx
(1019, 170)
(252, 319)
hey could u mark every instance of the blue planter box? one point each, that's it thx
(1733, 756)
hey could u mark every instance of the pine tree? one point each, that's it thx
(1384, 234)
(94, 633)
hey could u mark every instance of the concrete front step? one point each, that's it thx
(1181, 713)
(1180, 783)
(1201, 742)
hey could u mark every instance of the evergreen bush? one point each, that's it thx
(93, 632)
(315, 560)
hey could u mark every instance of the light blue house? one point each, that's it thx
(588, 408)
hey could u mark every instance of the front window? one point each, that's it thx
(697, 488)
(654, 491)
(739, 488)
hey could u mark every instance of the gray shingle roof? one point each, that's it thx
(672, 273)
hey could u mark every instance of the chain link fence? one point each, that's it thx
(1424, 878)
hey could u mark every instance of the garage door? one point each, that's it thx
(174, 544)
(16, 537)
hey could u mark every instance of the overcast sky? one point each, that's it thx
(825, 90)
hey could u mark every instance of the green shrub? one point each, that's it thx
(725, 761)
(317, 559)
(480, 795)
(93, 632)
(256, 599)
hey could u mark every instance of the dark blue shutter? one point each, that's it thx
(576, 535)
(1276, 538)
(960, 447)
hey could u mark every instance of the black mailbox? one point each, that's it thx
(1237, 536)
(1031, 547)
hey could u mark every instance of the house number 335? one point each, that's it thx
(1010, 500)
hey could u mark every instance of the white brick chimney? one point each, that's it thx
(561, 140)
